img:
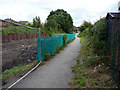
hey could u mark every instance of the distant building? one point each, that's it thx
(3, 24)
(25, 22)
(76, 29)
(42, 24)
(0, 22)
(9, 19)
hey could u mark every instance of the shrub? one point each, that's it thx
(86, 32)
(98, 39)
(85, 25)
(57, 49)
(82, 83)
(47, 56)
(18, 30)
(64, 39)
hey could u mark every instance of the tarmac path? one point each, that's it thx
(56, 73)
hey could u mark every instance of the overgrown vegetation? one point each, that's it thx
(96, 34)
(92, 69)
(85, 25)
(17, 70)
(64, 39)
(37, 22)
(18, 30)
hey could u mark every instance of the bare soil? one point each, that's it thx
(18, 53)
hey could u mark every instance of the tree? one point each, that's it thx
(98, 39)
(51, 24)
(62, 19)
(37, 22)
(85, 25)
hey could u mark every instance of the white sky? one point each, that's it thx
(80, 10)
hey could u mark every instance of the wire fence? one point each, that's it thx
(113, 42)
(19, 43)
(49, 45)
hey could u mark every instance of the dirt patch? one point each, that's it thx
(18, 53)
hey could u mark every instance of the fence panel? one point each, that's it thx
(48, 45)
(113, 42)
(70, 37)
(12, 37)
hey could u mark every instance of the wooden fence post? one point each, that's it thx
(3, 38)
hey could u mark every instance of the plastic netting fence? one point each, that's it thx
(48, 45)
(113, 41)
(70, 37)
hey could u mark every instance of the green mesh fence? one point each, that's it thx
(113, 42)
(70, 37)
(48, 45)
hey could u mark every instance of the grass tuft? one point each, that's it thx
(16, 71)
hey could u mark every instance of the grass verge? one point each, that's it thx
(17, 71)
(91, 71)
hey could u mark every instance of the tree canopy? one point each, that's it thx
(85, 25)
(37, 22)
(60, 19)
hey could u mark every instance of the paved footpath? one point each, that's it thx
(56, 73)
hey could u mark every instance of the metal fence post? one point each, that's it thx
(40, 43)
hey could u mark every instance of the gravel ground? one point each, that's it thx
(56, 73)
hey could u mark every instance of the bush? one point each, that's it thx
(86, 32)
(98, 39)
(47, 56)
(64, 39)
(85, 25)
(18, 30)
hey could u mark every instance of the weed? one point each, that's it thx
(15, 70)
(57, 49)
(70, 41)
(42, 63)
(47, 56)
(64, 39)
(82, 83)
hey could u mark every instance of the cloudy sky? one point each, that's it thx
(80, 10)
